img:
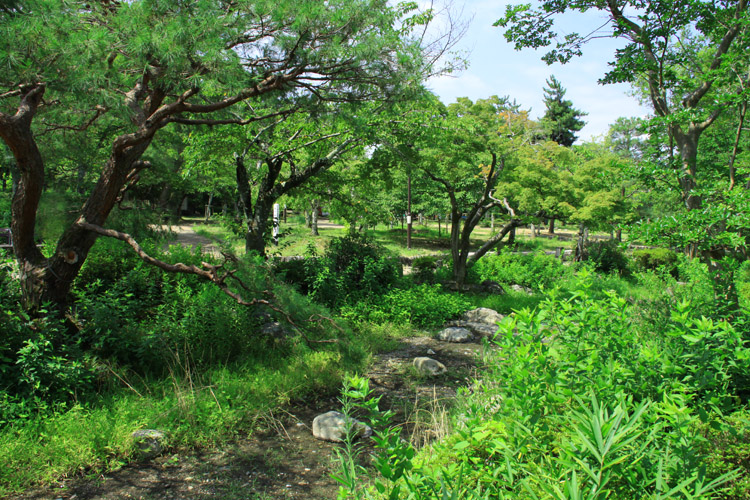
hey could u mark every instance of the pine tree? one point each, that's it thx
(561, 120)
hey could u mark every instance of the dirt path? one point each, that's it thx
(186, 236)
(283, 460)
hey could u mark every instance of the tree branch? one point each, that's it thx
(210, 272)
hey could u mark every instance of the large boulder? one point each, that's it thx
(429, 366)
(482, 315)
(477, 329)
(333, 425)
(455, 334)
(149, 442)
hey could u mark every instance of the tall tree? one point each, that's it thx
(143, 65)
(682, 50)
(561, 120)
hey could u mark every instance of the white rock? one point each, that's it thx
(483, 315)
(521, 289)
(332, 426)
(455, 334)
(429, 366)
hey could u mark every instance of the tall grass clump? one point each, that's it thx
(529, 270)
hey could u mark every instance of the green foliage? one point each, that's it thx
(726, 447)
(423, 269)
(656, 258)
(422, 305)
(530, 270)
(42, 365)
(586, 400)
(606, 256)
(5, 201)
(561, 120)
(352, 268)
(743, 285)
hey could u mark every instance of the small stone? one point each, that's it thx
(150, 442)
(429, 366)
(455, 334)
(430, 351)
(521, 289)
(276, 330)
(332, 426)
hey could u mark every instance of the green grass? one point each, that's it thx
(426, 239)
(195, 409)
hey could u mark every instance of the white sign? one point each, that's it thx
(276, 223)
(408, 219)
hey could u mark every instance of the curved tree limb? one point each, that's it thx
(216, 274)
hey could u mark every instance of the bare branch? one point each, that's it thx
(99, 111)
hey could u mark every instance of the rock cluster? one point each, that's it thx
(481, 322)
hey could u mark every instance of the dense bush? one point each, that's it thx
(531, 270)
(352, 268)
(585, 402)
(423, 269)
(42, 365)
(129, 316)
(657, 258)
(606, 256)
(423, 305)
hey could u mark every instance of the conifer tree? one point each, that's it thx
(561, 120)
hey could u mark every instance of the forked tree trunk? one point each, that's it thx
(48, 279)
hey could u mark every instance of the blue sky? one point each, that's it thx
(496, 68)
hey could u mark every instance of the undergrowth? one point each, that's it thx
(589, 399)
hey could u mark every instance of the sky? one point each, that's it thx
(496, 68)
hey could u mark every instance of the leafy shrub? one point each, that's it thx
(606, 256)
(531, 270)
(423, 305)
(726, 447)
(423, 269)
(41, 364)
(583, 402)
(5, 202)
(656, 258)
(352, 268)
(293, 272)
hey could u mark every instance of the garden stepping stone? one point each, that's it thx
(455, 334)
(333, 425)
(429, 366)
(150, 442)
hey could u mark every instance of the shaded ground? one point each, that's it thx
(186, 236)
(283, 460)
